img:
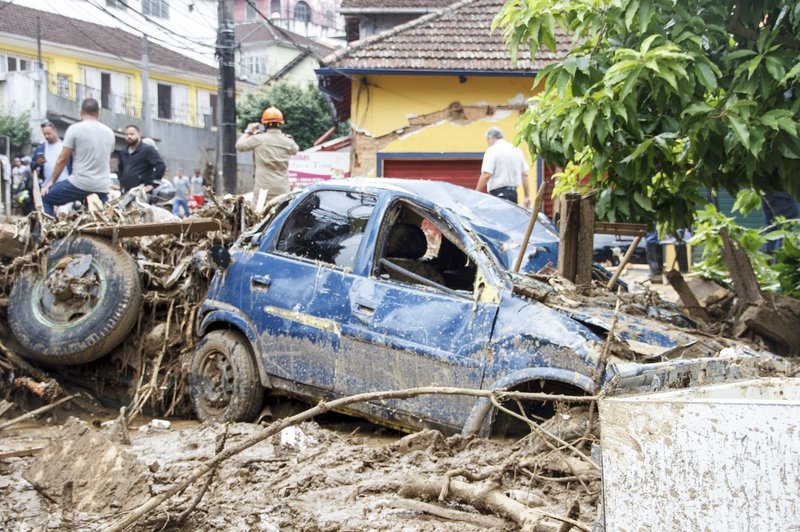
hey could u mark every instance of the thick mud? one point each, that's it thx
(306, 478)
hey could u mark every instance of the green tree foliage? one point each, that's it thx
(661, 99)
(780, 273)
(305, 110)
(18, 130)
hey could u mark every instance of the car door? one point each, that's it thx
(407, 334)
(299, 286)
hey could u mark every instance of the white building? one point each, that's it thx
(188, 27)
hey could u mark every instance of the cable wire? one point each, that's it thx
(168, 30)
(99, 45)
(139, 31)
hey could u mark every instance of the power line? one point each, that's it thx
(138, 30)
(288, 37)
(168, 30)
(6, 5)
(99, 45)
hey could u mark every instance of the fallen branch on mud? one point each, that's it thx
(322, 408)
(34, 413)
(486, 521)
(487, 499)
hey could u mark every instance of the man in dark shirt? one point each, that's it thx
(140, 164)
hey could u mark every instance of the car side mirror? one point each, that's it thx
(220, 256)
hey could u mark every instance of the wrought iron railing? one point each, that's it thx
(126, 104)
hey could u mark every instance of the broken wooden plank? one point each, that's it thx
(34, 413)
(537, 207)
(707, 292)
(620, 229)
(5, 406)
(21, 453)
(691, 303)
(624, 262)
(177, 227)
(777, 323)
(740, 270)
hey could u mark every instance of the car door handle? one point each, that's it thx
(260, 281)
(364, 311)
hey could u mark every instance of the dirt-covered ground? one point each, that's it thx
(343, 475)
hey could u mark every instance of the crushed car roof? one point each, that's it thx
(499, 223)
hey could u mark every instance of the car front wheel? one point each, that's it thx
(223, 382)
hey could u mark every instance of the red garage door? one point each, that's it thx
(464, 172)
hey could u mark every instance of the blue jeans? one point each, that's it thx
(65, 192)
(178, 204)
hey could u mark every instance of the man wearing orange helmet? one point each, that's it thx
(271, 152)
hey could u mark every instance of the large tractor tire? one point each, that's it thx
(82, 307)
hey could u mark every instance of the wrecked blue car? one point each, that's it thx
(380, 284)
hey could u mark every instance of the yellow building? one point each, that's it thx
(421, 96)
(83, 59)
(80, 59)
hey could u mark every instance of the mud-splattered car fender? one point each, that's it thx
(479, 421)
(213, 313)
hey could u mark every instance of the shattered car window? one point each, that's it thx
(417, 249)
(327, 226)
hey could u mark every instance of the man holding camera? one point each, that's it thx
(271, 152)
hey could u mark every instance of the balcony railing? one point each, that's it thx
(127, 104)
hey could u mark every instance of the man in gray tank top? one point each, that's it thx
(90, 143)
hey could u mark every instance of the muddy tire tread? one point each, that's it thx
(248, 393)
(102, 331)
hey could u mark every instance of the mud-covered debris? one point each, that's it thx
(103, 475)
(174, 270)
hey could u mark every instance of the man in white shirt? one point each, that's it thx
(50, 149)
(503, 169)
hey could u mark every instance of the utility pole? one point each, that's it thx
(226, 99)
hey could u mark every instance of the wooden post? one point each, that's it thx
(585, 244)
(569, 228)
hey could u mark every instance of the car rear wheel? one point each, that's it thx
(223, 382)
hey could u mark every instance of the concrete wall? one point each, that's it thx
(429, 115)
(369, 25)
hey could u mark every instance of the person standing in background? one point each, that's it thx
(198, 193)
(180, 204)
(50, 149)
(272, 150)
(503, 169)
(140, 164)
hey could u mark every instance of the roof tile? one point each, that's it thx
(455, 38)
